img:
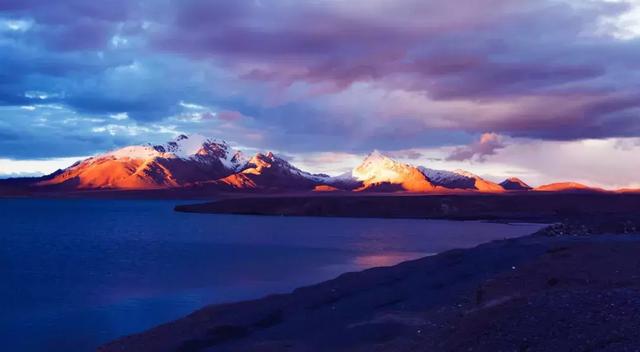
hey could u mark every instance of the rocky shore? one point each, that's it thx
(544, 292)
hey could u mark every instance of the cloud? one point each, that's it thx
(230, 116)
(192, 106)
(488, 144)
(409, 154)
(515, 63)
(120, 116)
(332, 163)
(597, 162)
(315, 76)
(51, 131)
(29, 168)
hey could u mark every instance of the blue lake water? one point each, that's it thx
(78, 273)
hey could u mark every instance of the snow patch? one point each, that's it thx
(379, 168)
(135, 152)
(192, 148)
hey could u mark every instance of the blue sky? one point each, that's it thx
(325, 81)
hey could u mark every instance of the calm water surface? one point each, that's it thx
(77, 273)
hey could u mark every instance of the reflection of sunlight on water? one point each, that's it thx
(145, 264)
(386, 259)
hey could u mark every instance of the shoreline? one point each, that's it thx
(571, 208)
(523, 290)
(422, 304)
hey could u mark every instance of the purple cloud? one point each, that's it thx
(488, 144)
(230, 116)
(312, 76)
(518, 50)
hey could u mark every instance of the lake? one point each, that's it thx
(78, 273)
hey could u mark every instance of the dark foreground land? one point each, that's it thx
(574, 286)
(537, 293)
(583, 213)
(529, 206)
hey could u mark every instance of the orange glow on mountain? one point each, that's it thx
(562, 186)
(197, 161)
(114, 173)
(240, 180)
(378, 172)
(413, 181)
(325, 188)
(488, 186)
(629, 190)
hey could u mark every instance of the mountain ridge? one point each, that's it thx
(178, 163)
(199, 162)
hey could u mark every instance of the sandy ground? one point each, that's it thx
(537, 293)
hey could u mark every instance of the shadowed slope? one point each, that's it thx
(515, 184)
(268, 171)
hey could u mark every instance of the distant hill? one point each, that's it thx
(567, 187)
(515, 184)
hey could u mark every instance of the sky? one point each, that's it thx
(546, 90)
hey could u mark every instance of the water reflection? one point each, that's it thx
(79, 273)
(386, 259)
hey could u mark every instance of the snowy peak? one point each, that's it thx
(133, 152)
(183, 147)
(465, 173)
(448, 179)
(195, 148)
(188, 146)
(261, 161)
(195, 160)
(380, 167)
(238, 160)
(272, 163)
(515, 184)
(379, 172)
(271, 172)
(182, 161)
(376, 156)
(481, 184)
(460, 179)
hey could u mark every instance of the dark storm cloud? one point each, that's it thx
(308, 75)
(516, 50)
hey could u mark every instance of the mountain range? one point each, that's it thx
(193, 162)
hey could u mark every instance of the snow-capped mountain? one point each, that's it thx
(378, 172)
(460, 179)
(480, 184)
(381, 173)
(515, 184)
(448, 179)
(182, 161)
(201, 163)
(269, 171)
